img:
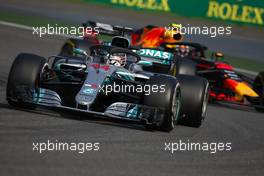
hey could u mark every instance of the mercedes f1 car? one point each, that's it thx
(87, 84)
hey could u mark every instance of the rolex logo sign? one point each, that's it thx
(237, 12)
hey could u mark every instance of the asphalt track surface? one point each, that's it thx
(242, 43)
(124, 149)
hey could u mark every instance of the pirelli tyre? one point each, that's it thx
(195, 93)
(185, 66)
(24, 79)
(258, 87)
(169, 100)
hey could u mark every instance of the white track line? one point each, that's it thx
(29, 28)
(20, 26)
(249, 72)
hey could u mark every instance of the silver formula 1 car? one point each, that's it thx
(104, 83)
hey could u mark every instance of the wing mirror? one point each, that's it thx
(82, 52)
(79, 51)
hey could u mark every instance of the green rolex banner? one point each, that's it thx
(246, 12)
(243, 11)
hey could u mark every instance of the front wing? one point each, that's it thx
(119, 110)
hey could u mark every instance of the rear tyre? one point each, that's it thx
(70, 44)
(195, 93)
(169, 99)
(258, 87)
(24, 78)
(67, 49)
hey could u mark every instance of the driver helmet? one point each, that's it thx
(173, 29)
(117, 59)
(182, 50)
(219, 55)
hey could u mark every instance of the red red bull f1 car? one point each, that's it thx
(226, 83)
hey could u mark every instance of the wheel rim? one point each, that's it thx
(175, 109)
(205, 101)
(38, 81)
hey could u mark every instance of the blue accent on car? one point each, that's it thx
(133, 113)
(156, 56)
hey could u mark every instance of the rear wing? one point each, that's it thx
(156, 55)
(107, 29)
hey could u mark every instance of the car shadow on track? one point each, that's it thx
(85, 118)
(235, 107)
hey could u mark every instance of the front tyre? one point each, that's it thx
(258, 87)
(185, 66)
(169, 100)
(195, 93)
(24, 79)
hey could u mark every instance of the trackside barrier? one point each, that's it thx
(243, 12)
